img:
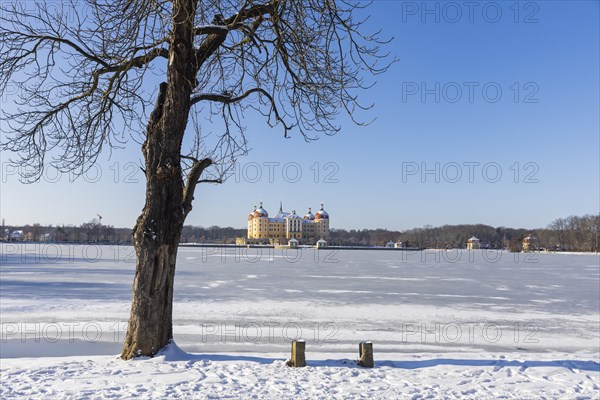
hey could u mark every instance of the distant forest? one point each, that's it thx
(573, 233)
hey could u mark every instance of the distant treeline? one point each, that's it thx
(564, 234)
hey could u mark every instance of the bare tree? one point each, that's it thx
(36, 232)
(92, 230)
(86, 72)
(560, 226)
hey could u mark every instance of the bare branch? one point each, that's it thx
(211, 29)
(81, 72)
(227, 98)
(198, 167)
(210, 181)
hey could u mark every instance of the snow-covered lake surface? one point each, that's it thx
(443, 323)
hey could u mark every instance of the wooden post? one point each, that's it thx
(298, 358)
(365, 352)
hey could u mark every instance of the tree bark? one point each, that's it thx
(155, 239)
(158, 229)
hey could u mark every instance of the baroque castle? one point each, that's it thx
(287, 225)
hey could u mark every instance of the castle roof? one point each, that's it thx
(259, 212)
(321, 214)
(281, 216)
(309, 215)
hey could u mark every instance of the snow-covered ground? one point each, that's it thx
(445, 324)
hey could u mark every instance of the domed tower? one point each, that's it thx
(251, 224)
(309, 215)
(261, 216)
(258, 223)
(308, 226)
(322, 223)
(260, 212)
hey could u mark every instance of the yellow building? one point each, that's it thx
(287, 225)
(473, 243)
(530, 243)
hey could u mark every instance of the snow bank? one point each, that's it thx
(176, 374)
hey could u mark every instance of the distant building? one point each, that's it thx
(286, 226)
(530, 243)
(321, 244)
(17, 236)
(473, 243)
(398, 245)
(390, 244)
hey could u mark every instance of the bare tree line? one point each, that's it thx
(573, 233)
(89, 232)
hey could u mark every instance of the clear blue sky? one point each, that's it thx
(542, 137)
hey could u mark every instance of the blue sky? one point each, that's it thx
(540, 133)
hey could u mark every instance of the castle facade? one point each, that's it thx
(287, 225)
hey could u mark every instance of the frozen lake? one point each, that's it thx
(259, 299)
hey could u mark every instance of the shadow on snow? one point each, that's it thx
(174, 353)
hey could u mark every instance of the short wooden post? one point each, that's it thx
(365, 352)
(298, 358)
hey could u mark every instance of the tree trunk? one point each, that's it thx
(158, 229)
(155, 239)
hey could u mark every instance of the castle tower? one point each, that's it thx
(322, 223)
(258, 223)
